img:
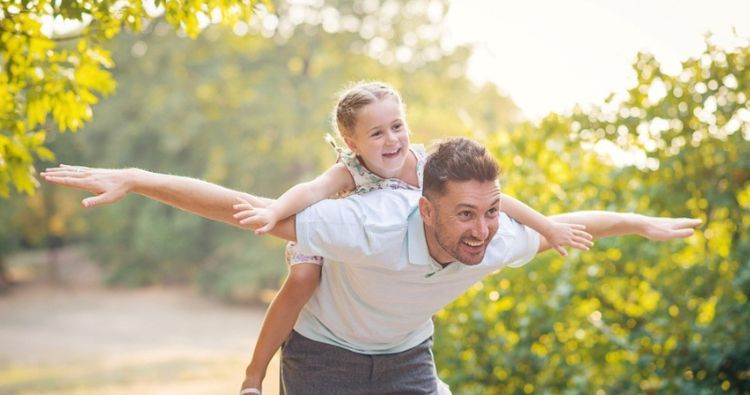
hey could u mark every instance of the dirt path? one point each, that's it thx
(96, 341)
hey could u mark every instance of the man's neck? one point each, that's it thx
(437, 253)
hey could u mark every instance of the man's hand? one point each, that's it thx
(561, 235)
(109, 185)
(661, 228)
(249, 216)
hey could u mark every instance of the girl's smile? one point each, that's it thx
(381, 138)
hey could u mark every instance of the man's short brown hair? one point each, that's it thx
(457, 159)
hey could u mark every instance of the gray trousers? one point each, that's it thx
(313, 368)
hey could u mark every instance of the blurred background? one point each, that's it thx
(614, 106)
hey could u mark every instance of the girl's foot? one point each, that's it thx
(251, 385)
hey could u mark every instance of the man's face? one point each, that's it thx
(460, 224)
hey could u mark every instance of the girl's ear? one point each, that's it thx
(351, 144)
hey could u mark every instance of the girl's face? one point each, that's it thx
(381, 138)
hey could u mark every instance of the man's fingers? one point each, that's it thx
(54, 169)
(67, 171)
(105, 198)
(682, 233)
(66, 181)
(688, 223)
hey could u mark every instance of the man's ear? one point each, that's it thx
(427, 211)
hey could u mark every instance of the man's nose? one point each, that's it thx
(481, 229)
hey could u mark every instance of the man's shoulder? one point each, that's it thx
(513, 245)
(384, 206)
(395, 198)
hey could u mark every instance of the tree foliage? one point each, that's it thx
(629, 316)
(248, 108)
(50, 79)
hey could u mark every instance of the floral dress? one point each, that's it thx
(364, 181)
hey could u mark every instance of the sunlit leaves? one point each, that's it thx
(629, 316)
(51, 79)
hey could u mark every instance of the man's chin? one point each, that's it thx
(471, 259)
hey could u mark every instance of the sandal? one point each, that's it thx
(248, 391)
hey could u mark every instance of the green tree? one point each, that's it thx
(248, 108)
(50, 80)
(629, 316)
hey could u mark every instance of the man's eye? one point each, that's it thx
(464, 214)
(493, 212)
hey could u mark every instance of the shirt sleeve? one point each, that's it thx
(514, 244)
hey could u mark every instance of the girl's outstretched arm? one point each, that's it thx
(334, 180)
(110, 185)
(558, 234)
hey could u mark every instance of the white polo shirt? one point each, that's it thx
(379, 286)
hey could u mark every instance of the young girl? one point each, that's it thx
(370, 117)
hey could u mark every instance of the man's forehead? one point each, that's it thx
(472, 193)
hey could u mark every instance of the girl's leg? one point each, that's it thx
(280, 318)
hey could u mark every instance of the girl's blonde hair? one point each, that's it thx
(357, 96)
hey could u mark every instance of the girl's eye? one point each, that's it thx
(376, 134)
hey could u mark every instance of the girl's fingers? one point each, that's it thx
(561, 250)
(244, 215)
(264, 229)
(583, 246)
(584, 234)
(586, 242)
(250, 220)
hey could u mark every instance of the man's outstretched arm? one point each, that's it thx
(195, 196)
(602, 224)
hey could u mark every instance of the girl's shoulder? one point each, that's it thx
(419, 150)
(367, 181)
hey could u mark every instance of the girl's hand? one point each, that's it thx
(109, 185)
(561, 235)
(249, 216)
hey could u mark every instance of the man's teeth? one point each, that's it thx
(474, 243)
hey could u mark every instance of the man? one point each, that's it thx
(393, 259)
